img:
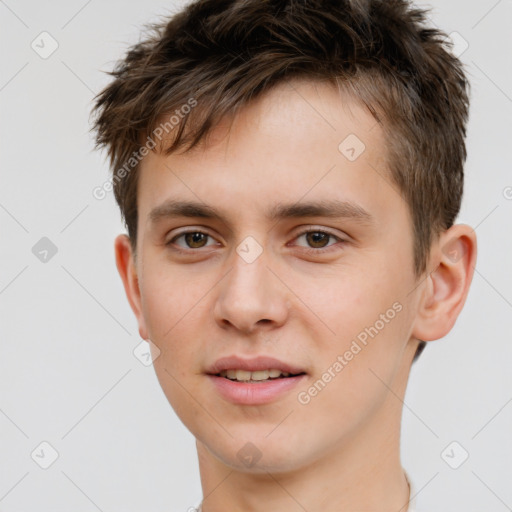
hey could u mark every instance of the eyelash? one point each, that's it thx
(321, 250)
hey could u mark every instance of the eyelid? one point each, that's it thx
(307, 228)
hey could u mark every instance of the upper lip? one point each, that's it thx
(251, 364)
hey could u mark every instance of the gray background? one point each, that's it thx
(68, 373)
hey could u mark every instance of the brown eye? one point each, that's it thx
(195, 240)
(192, 239)
(318, 239)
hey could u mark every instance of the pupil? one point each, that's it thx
(317, 237)
(193, 238)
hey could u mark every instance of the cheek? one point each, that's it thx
(367, 322)
(356, 366)
(347, 303)
(160, 306)
(169, 297)
(171, 308)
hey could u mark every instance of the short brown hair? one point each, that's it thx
(223, 53)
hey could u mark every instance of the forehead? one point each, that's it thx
(303, 139)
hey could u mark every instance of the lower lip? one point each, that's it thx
(257, 393)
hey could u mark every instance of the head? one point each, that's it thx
(260, 112)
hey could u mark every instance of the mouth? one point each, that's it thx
(256, 377)
(255, 381)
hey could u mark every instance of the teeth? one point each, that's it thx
(244, 375)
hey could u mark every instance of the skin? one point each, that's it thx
(341, 451)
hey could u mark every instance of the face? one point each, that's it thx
(298, 248)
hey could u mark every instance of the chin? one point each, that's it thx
(258, 453)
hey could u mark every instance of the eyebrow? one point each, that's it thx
(325, 208)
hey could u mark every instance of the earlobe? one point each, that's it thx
(125, 263)
(446, 287)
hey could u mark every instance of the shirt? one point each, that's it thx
(412, 500)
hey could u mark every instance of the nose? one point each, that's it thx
(251, 297)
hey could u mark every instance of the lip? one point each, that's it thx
(251, 364)
(258, 393)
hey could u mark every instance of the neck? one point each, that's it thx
(357, 475)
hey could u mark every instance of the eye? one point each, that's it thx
(192, 239)
(319, 239)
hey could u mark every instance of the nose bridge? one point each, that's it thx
(250, 295)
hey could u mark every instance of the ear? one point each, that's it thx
(125, 262)
(445, 289)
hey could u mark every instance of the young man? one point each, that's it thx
(289, 173)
